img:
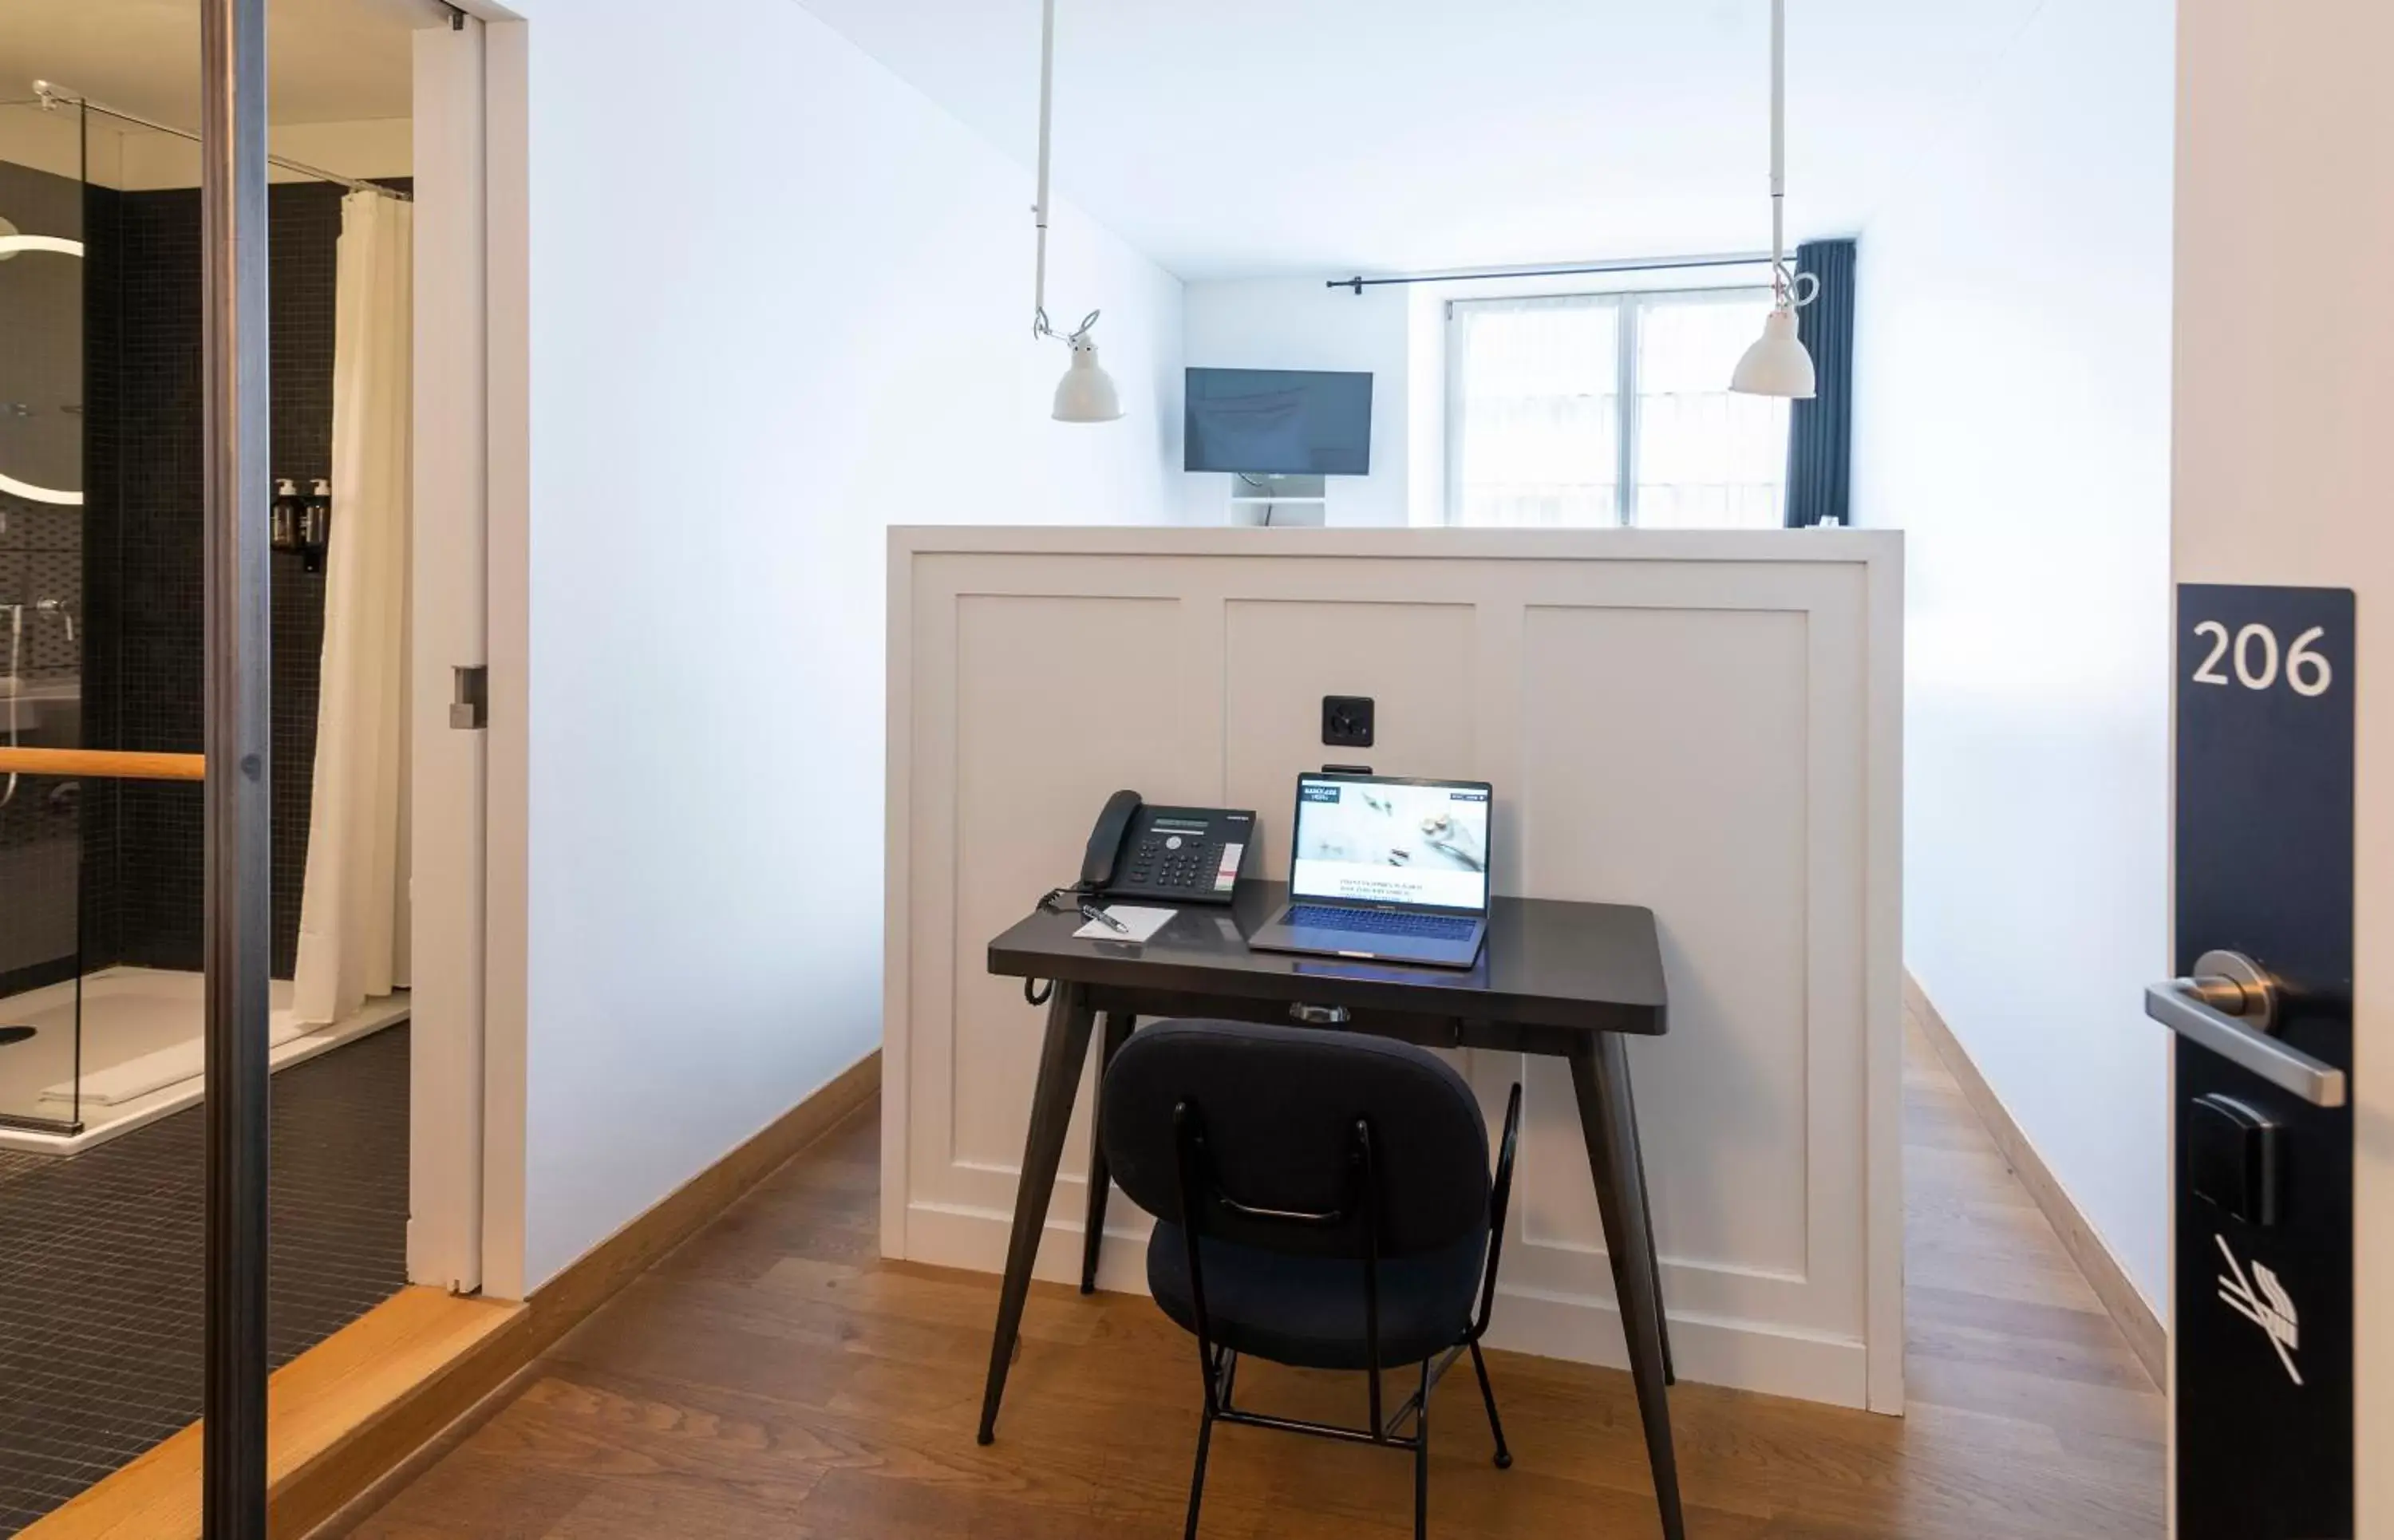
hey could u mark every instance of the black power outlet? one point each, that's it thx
(1346, 721)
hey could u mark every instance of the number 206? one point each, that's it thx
(2253, 652)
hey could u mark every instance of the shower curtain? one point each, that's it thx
(353, 909)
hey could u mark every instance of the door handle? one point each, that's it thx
(1319, 1016)
(2231, 1007)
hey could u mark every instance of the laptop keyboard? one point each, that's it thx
(1380, 921)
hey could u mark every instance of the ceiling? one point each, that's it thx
(1238, 137)
(328, 61)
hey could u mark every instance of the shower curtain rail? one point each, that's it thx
(103, 764)
(52, 95)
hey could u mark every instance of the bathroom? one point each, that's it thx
(101, 692)
(99, 644)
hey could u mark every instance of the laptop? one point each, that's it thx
(1385, 869)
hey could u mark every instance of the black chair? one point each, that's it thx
(1322, 1200)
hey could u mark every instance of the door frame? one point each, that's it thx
(469, 591)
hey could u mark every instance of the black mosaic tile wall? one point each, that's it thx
(102, 928)
(153, 688)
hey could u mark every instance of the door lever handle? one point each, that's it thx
(2231, 1007)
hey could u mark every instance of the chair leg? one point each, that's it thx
(1488, 1394)
(1197, 1480)
(1421, 1460)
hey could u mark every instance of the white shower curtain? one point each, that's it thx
(353, 911)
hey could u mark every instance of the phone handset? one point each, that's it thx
(1099, 865)
(1106, 841)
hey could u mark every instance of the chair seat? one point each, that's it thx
(1308, 1312)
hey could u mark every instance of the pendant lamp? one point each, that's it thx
(1087, 392)
(1778, 364)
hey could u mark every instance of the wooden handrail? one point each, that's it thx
(102, 764)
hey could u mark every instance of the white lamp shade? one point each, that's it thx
(1778, 364)
(1087, 394)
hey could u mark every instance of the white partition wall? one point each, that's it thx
(1708, 725)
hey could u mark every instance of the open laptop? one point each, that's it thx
(1385, 868)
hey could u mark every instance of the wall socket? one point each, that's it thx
(1346, 721)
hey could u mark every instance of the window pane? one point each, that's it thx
(1536, 429)
(1706, 458)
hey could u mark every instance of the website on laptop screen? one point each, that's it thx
(1391, 844)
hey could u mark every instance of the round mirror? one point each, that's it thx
(41, 313)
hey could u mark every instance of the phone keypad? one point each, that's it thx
(1182, 855)
(1172, 862)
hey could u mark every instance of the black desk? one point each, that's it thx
(1555, 978)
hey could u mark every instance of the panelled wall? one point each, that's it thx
(1707, 725)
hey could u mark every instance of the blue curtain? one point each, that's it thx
(1821, 431)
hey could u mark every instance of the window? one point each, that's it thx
(1607, 409)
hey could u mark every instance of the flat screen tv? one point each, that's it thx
(1279, 422)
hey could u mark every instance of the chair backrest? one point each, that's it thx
(1279, 1107)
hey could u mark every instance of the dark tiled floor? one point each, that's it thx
(14, 1164)
(100, 1279)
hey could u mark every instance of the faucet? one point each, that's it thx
(16, 684)
(61, 609)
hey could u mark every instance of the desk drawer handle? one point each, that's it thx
(1320, 1015)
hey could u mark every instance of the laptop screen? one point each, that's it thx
(1364, 838)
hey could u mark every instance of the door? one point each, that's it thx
(450, 637)
(2284, 529)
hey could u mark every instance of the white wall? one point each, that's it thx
(2035, 485)
(1300, 324)
(2282, 411)
(778, 302)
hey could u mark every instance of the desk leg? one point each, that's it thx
(1646, 1202)
(1093, 1236)
(1600, 1077)
(1061, 1053)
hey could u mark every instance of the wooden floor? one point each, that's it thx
(774, 1377)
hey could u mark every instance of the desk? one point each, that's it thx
(1555, 978)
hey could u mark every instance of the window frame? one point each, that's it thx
(1628, 306)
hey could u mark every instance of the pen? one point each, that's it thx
(1091, 911)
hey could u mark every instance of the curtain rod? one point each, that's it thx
(52, 95)
(1665, 264)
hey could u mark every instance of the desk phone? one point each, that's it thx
(1174, 855)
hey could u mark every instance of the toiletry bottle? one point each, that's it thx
(316, 525)
(286, 525)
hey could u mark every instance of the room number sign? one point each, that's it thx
(2255, 649)
(2264, 1179)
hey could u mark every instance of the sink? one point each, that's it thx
(48, 708)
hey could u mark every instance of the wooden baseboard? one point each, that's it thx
(348, 1419)
(2146, 1337)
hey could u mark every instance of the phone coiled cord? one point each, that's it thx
(1059, 900)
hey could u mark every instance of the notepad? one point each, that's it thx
(1143, 922)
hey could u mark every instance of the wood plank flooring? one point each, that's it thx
(774, 1377)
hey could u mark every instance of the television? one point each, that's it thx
(1279, 422)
